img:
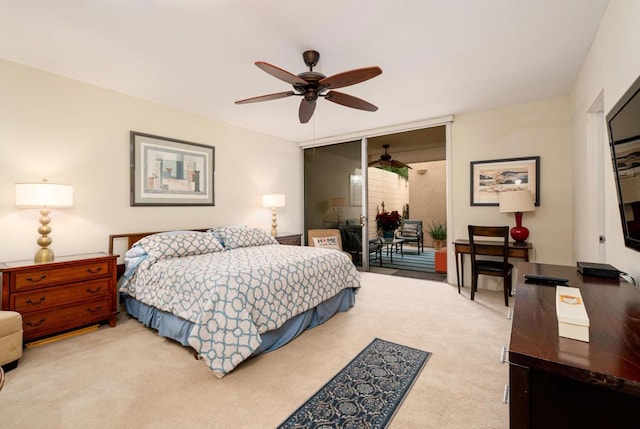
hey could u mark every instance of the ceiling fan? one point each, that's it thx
(386, 161)
(311, 85)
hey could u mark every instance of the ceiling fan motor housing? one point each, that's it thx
(312, 90)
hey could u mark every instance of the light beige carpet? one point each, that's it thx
(130, 377)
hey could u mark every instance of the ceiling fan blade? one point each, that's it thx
(350, 101)
(281, 74)
(392, 163)
(266, 97)
(399, 164)
(305, 112)
(350, 77)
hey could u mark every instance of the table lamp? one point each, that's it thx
(44, 195)
(273, 201)
(517, 202)
(336, 204)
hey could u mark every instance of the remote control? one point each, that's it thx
(545, 280)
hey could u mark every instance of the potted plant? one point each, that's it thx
(388, 222)
(438, 232)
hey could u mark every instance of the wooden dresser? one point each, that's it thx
(558, 382)
(68, 293)
(289, 239)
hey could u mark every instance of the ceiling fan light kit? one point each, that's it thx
(311, 85)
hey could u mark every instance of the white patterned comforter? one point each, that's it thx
(235, 295)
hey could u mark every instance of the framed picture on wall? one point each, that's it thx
(355, 190)
(489, 178)
(170, 172)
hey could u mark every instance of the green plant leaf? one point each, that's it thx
(437, 230)
(402, 172)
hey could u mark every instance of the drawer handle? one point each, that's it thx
(42, 277)
(93, 310)
(506, 395)
(94, 290)
(40, 301)
(503, 355)
(94, 271)
(33, 325)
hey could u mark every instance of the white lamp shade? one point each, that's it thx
(273, 200)
(43, 194)
(516, 201)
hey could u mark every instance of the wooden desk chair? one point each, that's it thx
(326, 233)
(498, 268)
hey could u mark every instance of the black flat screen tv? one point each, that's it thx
(623, 124)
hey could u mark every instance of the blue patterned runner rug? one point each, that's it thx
(366, 393)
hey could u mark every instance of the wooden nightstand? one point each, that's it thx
(290, 239)
(68, 293)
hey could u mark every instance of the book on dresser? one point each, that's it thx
(573, 320)
(59, 296)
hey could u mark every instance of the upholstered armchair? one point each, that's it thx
(10, 339)
(411, 231)
(327, 238)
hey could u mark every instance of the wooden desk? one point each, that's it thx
(563, 383)
(487, 247)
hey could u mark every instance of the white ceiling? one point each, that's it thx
(438, 57)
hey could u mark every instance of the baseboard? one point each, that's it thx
(64, 336)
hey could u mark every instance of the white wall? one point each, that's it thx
(69, 132)
(535, 129)
(427, 195)
(613, 63)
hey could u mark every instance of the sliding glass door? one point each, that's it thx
(335, 178)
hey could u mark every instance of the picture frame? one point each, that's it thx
(170, 172)
(489, 178)
(355, 190)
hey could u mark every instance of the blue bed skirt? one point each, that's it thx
(174, 327)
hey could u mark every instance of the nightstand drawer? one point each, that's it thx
(290, 239)
(39, 277)
(53, 296)
(59, 319)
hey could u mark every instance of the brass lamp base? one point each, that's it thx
(43, 255)
(274, 223)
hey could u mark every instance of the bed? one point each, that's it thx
(232, 293)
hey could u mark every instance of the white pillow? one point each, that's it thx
(242, 236)
(175, 244)
(326, 242)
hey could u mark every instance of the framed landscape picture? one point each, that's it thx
(170, 172)
(489, 178)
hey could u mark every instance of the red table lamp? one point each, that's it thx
(517, 202)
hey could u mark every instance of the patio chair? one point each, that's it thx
(411, 232)
(352, 241)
